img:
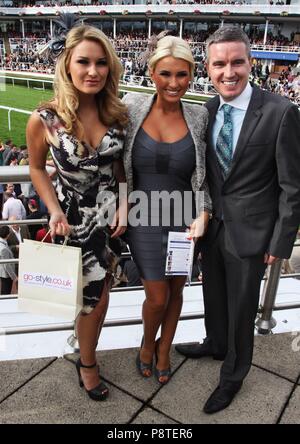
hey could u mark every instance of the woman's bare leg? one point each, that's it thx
(169, 322)
(88, 330)
(157, 294)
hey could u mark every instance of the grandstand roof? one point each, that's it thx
(255, 12)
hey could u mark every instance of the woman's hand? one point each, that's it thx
(199, 226)
(59, 225)
(119, 223)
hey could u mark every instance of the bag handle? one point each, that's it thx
(46, 235)
(48, 232)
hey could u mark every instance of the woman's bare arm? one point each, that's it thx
(38, 149)
(119, 223)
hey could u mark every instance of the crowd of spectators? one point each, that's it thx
(17, 202)
(23, 61)
(11, 155)
(130, 44)
(275, 41)
(287, 85)
(139, 37)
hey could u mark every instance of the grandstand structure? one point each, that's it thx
(272, 25)
(260, 18)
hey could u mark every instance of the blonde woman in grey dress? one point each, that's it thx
(164, 152)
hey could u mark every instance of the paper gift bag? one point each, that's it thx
(50, 279)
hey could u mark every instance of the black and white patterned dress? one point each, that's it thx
(86, 189)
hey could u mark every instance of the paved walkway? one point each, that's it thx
(46, 390)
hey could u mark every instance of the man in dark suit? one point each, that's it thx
(253, 172)
(17, 234)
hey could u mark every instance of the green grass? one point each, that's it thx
(28, 99)
(22, 98)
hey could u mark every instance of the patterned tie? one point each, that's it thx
(224, 140)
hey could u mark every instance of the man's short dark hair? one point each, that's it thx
(14, 157)
(33, 203)
(229, 33)
(4, 231)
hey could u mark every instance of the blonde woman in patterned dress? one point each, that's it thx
(83, 128)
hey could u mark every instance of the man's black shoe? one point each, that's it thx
(197, 351)
(221, 397)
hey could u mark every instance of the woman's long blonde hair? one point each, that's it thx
(66, 101)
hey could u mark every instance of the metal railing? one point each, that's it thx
(264, 323)
(17, 174)
(26, 79)
(275, 48)
(129, 80)
(9, 110)
(199, 90)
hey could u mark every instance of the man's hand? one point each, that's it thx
(270, 260)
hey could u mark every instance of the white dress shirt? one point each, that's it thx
(13, 207)
(240, 105)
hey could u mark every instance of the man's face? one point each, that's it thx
(228, 67)
(10, 188)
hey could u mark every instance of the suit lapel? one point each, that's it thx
(12, 239)
(252, 117)
(212, 107)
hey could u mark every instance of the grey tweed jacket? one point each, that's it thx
(196, 117)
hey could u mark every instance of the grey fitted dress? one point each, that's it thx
(158, 167)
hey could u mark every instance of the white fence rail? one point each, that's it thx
(129, 80)
(27, 80)
(23, 111)
(129, 84)
(9, 111)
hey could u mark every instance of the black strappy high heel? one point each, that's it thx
(161, 373)
(142, 366)
(100, 392)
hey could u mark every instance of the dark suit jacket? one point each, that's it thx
(13, 241)
(259, 200)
